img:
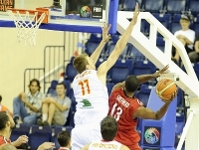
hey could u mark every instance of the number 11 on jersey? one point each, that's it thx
(116, 111)
(82, 85)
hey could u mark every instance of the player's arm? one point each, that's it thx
(105, 38)
(124, 147)
(146, 113)
(86, 147)
(104, 67)
(145, 78)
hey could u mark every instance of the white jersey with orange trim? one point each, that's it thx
(105, 145)
(91, 97)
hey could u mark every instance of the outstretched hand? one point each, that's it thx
(160, 72)
(105, 36)
(135, 14)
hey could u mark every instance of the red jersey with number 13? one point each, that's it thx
(122, 109)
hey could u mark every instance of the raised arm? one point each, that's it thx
(143, 78)
(104, 67)
(105, 38)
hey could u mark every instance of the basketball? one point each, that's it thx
(165, 88)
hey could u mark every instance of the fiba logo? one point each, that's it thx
(85, 12)
(152, 135)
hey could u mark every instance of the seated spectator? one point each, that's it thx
(6, 126)
(108, 130)
(7, 146)
(64, 140)
(194, 56)
(186, 36)
(27, 106)
(55, 110)
(3, 108)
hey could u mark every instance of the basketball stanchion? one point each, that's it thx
(27, 23)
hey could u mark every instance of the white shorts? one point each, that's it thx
(85, 134)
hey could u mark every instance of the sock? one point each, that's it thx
(44, 117)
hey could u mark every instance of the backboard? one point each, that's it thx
(68, 15)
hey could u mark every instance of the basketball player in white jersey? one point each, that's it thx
(108, 131)
(90, 88)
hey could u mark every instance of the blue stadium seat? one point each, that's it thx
(90, 47)
(194, 7)
(143, 67)
(175, 26)
(70, 119)
(135, 54)
(176, 6)
(110, 85)
(143, 93)
(163, 18)
(153, 5)
(124, 56)
(128, 5)
(120, 71)
(67, 84)
(196, 27)
(160, 43)
(196, 69)
(70, 72)
(20, 129)
(39, 135)
(51, 89)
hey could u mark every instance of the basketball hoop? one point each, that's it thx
(27, 23)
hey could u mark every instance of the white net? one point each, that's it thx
(27, 25)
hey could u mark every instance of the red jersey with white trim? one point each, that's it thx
(3, 140)
(122, 109)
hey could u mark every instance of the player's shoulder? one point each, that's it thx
(137, 101)
(124, 147)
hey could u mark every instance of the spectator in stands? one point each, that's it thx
(64, 140)
(27, 106)
(194, 56)
(3, 108)
(186, 36)
(7, 146)
(55, 110)
(6, 126)
(108, 130)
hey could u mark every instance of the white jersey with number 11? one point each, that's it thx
(91, 97)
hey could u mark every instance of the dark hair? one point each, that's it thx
(131, 83)
(3, 120)
(61, 83)
(37, 81)
(63, 138)
(0, 98)
(108, 128)
(80, 63)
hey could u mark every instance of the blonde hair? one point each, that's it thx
(80, 62)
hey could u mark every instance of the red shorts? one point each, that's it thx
(134, 147)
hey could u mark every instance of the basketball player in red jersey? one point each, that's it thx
(126, 108)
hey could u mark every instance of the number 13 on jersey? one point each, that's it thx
(116, 111)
